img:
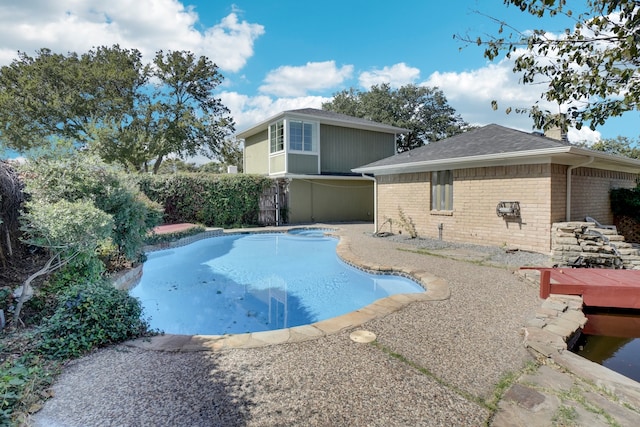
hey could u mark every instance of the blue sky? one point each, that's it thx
(280, 55)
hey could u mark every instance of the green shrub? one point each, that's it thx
(18, 379)
(626, 202)
(83, 178)
(91, 315)
(213, 200)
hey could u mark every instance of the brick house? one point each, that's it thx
(311, 153)
(497, 186)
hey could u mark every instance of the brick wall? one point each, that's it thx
(590, 192)
(476, 193)
(540, 189)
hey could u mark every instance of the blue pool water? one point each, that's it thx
(256, 282)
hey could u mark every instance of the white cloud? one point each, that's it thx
(248, 111)
(147, 25)
(396, 75)
(291, 81)
(471, 93)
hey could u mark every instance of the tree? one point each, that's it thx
(592, 69)
(110, 102)
(620, 146)
(189, 120)
(422, 110)
(66, 230)
(66, 95)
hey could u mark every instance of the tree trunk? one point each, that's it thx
(49, 267)
(157, 164)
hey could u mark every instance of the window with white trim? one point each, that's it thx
(300, 136)
(442, 190)
(276, 137)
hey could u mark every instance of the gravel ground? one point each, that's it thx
(432, 365)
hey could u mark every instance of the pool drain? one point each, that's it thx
(362, 336)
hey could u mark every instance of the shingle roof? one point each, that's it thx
(495, 145)
(330, 115)
(488, 140)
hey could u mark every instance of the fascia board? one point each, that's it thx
(564, 155)
(378, 127)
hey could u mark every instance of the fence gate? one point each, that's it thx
(274, 204)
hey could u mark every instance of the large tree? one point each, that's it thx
(422, 110)
(620, 146)
(591, 70)
(66, 95)
(110, 102)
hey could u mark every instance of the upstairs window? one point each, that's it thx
(276, 137)
(300, 136)
(442, 190)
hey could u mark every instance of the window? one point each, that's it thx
(276, 137)
(300, 136)
(442, 190)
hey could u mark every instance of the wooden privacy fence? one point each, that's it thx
(274, 204)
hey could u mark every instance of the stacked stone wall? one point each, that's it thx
(592, 245)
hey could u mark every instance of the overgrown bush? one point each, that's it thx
(91, 315)
(626, 202)
(212, 200)
(80, 177)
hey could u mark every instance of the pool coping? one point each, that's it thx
(436, 289)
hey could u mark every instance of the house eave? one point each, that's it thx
(568, 155)
(373, 126)
(318, 177)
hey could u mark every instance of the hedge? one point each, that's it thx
(213, 200)
(626, 202)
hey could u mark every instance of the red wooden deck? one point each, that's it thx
(599, 287)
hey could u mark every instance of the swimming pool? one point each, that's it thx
(255, 282)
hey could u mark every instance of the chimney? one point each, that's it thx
(559, 130)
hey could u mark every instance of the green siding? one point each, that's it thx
(256, 154)
(325, 200)
(277, 163)
(303, 163)
(342, 149)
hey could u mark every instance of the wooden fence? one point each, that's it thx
(274, 204)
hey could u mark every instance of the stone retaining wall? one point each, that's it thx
(572, 240)
(556, 325)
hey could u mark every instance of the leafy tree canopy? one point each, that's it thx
(620, 146)
(592, 69)
(110, 102)
(422, 110)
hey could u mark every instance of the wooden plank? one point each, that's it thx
(598, 287)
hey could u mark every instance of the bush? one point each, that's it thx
(83, 178)
(213, 200)
(626, 202)
(88, 316)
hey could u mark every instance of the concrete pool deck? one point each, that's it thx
(434, 363)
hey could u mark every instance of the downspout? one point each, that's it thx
(375, 200)
(569, 170)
